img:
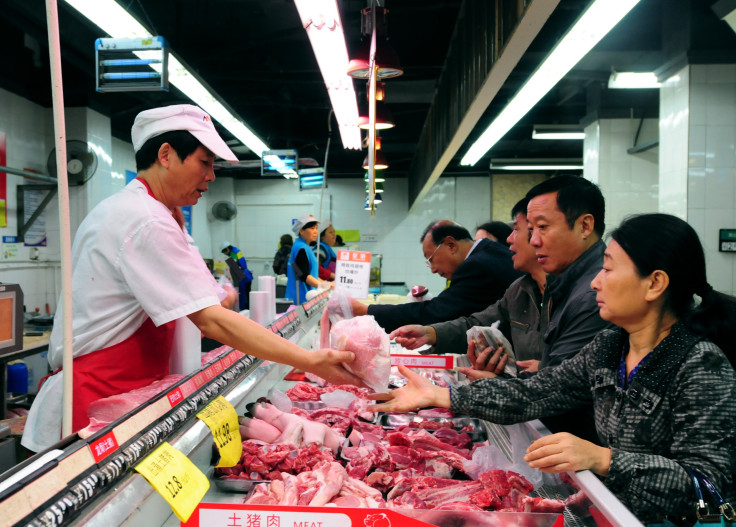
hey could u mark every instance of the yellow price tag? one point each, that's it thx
(176, 478)
(222, 420)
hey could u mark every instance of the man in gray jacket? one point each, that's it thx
(517, 311)
(566, 215)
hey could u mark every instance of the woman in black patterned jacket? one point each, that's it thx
(663, 391)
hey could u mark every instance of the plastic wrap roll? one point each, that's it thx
(259, 307)
(186, 350)
(268, 283)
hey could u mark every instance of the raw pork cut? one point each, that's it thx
(370, 344)
(104, 411)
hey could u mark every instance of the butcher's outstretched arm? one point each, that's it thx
(243, 334)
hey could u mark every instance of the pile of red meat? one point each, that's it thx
(402, 468)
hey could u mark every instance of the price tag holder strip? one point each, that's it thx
(196, 392)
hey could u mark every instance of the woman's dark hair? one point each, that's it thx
(181, 141)
(667, 243)
(286, 239)
(498, 229)
(308, 225)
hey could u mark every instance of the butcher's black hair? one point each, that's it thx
(575, 196)
(183, 143)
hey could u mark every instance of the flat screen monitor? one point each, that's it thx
(279, 163)
(11, 318)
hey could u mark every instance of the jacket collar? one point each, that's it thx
(663, 359)
(559, 286)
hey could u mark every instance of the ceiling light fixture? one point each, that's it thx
(378, 178)
(600, 17)
(379, 161)
(109, 16)
(533, 165)
(632, 80)
(384, 120)
(387, 61)
(379, 187)
(553, 132)
(321, 20)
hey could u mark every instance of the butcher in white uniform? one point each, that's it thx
(134, 274)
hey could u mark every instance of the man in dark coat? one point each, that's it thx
(479, 274)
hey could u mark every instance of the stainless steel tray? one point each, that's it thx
(237, 484)
(475, 427)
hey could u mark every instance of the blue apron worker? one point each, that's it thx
(302, 269)
(244, 278)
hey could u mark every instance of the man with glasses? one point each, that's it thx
(479, 274)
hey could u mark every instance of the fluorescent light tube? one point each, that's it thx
(557, 132)
(321, 20)
(590, 28)
(109, 16)
(530, 165)
(630, 79)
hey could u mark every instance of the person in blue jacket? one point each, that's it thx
(324, 252)
(244, 282)
(302, 269)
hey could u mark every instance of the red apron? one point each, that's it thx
(136, 362)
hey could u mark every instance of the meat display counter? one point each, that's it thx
(92, 481)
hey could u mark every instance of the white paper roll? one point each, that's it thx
(268, 283)
(258, 307)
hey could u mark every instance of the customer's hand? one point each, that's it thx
(359, 308)
(414, 336)
(491, 360)
(565, 453)
(527, 366)
(418, 393)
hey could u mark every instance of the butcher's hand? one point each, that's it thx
(359, 308)
(527, 366)
(414, 336)
(232, 297)
(565, 453)
(417, 393)
(327, 364)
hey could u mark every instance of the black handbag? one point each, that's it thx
(711, 512)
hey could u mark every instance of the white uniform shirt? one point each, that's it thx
(130, 261)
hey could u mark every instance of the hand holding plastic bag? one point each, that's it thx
(490, 336)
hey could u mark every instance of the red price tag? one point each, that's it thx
(103, 447)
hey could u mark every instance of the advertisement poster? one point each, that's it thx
(36, 234)
(3, 183)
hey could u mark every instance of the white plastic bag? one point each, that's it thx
(485, 336)
(370, 343)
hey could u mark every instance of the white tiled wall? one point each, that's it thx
(629, 182)
(674, 109)
(30, 140)
(712, 165)
(397, 230)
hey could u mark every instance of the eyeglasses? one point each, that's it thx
(428, 261)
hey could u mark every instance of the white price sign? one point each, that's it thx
(353, 272)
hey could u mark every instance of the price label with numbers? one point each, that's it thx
(222, 420)
(176, 478)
